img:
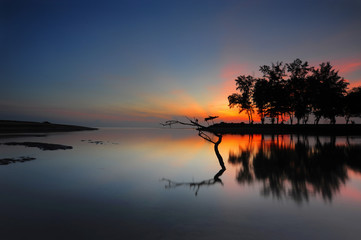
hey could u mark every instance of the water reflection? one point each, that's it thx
(295, 167)
(216, 179)
(284, 166)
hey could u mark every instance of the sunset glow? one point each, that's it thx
(142, 63)
(180, 119)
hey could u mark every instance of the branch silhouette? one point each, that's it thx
(216, 178)
(192, 123)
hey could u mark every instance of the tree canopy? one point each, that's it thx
(296, 90)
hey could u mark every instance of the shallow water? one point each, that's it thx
(163, 184)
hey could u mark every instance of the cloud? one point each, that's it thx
(350, 69)
(348, 66)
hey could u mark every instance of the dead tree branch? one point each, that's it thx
(193, 185)
(192, 122)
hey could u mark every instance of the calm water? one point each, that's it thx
(169, 184)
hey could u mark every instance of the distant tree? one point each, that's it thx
(261, 97)
(243, 100)
(352, 106)
(299, 89)
(278, 102)
(329, 89)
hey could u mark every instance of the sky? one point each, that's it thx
(141, 62)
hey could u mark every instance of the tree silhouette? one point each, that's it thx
(299, 89)
(307, 90)
(260, 98)
(329, 90)
(352, 106)
(277, 93)
(243, 100)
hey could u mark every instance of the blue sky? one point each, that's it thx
(113, 63)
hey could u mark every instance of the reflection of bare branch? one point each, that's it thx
(205, 137)
(195, 185)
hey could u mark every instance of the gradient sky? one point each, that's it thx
(118, 63)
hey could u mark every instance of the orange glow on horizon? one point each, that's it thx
(180, 103)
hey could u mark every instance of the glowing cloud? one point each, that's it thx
(349, 67)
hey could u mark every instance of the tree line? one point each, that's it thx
(296, 91)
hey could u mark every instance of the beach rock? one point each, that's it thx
(42, 146)
(6, 161)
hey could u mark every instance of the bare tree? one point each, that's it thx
(197, 185)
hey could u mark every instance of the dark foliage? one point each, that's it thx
(303, 91)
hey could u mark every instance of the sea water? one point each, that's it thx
(118, 183)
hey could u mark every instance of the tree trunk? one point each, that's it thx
(332, 120)
(305, 119)
(317, 119)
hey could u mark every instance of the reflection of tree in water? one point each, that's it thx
(297, 170)
(216, 179)
(245, 175)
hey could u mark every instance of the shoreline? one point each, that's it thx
(302, 129)
(10, 126)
